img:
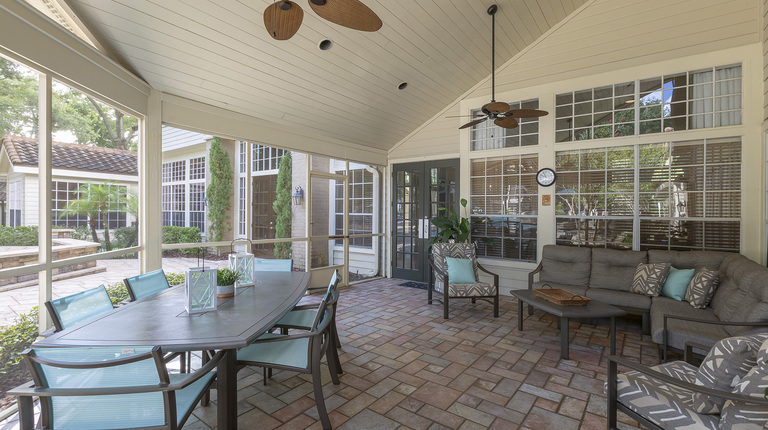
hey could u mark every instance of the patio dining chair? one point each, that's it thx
(146, 284)
(454, 275)
(301, 317)
(272, 264)
(108, 388)
(299, 353)
(76, 308)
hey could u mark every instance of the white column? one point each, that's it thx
(45, 124)
(150, 169)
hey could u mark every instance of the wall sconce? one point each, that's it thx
(298, 196)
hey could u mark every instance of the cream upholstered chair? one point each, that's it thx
(440, 282)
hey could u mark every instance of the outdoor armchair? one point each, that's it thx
(298, 352)
(109, 388)
(73, 309)
(272, 265)
(439, 282)
(146, 284)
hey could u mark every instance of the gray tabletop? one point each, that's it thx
(161, 320)
(593, 309)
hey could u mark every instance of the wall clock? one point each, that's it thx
(546, 177)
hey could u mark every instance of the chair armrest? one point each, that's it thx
(689, 345)
(614, 360)
(495, 276)
(538, 269)
(199, 373)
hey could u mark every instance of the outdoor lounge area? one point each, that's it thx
(384, 214)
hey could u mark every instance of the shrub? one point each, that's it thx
(117, 292)
(18, 236)
(14, 339)
(123, 237)
(175, 278)
(82, 233)
(174, 234)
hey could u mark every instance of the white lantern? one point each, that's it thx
(242, 263)
(200, 288)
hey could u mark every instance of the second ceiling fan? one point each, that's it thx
(500, 112)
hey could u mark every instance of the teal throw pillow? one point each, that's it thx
(677, 283)
(462, 271)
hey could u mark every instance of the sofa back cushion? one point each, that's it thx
(565, 265)
(743, 291)
(688, 259)
(614, 269)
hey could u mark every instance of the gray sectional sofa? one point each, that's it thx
(740, 303)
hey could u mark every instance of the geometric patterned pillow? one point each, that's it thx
(702, 288)
(649, 278)
(749, 415)
(725, 364)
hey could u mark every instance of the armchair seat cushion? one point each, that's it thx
(679, 331)
(620, 298)
(668, 406)
(479, 289)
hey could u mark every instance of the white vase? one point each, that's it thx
(225, 291)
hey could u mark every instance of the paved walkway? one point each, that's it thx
(20, 301)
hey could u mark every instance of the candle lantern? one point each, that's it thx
(242, 263)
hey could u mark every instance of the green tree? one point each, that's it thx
(219, 191)
(96, 201)
(18, 99)
(282, 205)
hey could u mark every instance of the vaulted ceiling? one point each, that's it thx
(218, 52)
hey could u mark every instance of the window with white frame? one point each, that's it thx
(361, 190)
(687, 196)
(504, 206)
(14, 204)
(488, 135)
(173, 203)
(241, 207)
(65, 193)
(197, 205)
(681, 101)
(196, 168)
(266, 158)
(174, 171)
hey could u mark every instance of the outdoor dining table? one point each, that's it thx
(161, 320)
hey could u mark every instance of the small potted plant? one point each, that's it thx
(225, 282)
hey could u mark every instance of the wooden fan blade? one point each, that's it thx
(506, 122)
(347, 13)
(497, 107)
(526, 113)
(471, 123)
(283, 24)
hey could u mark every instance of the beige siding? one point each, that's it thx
(764, 38)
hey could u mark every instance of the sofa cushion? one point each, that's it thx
(688, 259)
(702, 288)
(649, 278)
(582, 291)
(743, 291)
(620, 298)
(567, 265)
(681, 331)
(737, 414)
(728, 360)
(668, 406)
(676, 284)
(614, 269)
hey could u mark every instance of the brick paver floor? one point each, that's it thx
(408, 368)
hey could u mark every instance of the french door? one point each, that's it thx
(420, 192)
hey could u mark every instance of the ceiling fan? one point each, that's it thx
(500, 112)
(282, 19)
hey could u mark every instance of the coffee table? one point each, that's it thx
(593, 309)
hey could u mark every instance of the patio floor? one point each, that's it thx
(407, 367)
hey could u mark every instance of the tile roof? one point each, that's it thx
(22, 151)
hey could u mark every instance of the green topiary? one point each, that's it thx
(282, 205)
(219, 191)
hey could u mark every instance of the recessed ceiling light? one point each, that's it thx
(402, 85)
(325, 44)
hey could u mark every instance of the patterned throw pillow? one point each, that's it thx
(649, 278)
(738, 415)
(702, 287)
(729, 359)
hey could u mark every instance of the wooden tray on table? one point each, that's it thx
(561, 297)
